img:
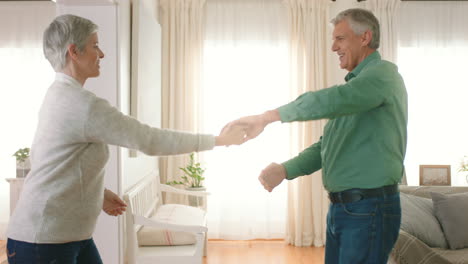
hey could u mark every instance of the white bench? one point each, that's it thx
(145, 210)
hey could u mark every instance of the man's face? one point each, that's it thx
(350, 47)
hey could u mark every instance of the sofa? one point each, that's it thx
(429, 234)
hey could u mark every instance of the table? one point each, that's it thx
(16, 185)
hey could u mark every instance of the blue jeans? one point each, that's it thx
(80, 252)
(362, 232)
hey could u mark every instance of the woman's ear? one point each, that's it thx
(72, 52)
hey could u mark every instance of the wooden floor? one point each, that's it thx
(2, 251)
(261, 252)
(249, 252)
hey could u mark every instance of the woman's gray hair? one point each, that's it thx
(361, 20)
(63, 31)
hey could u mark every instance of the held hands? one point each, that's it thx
(272, 176)
(233, 135)
(250, 127)
(254, 124)
(112, 204)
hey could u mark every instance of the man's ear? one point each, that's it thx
(366, 38)
(72, 52)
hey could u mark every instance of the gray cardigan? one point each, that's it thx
(63, 193)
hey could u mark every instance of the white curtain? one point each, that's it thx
(181, 22)
(386, 12)
(25, 77)
(307, 200)
(432, 56)
(245, 72)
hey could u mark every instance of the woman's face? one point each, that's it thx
(88, 60)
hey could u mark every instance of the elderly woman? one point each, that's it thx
(63, 194)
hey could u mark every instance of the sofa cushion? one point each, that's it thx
(410, 250)
(418, 219)
(451, 210)
(174, 214)
(459, 256)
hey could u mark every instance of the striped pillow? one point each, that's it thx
(174, 214)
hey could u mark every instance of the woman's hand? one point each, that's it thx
(255, 124)
(232, 135)
(112, 204)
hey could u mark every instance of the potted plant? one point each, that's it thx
(192, 180)
(23, 165)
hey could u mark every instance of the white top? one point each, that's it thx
(63, 193)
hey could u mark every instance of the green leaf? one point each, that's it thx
(174, 183)
(193, 173)
(21, 154)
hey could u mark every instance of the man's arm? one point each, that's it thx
(367, 91)
(305, 163)
(255, 124)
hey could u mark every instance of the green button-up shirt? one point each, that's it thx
(364, 142)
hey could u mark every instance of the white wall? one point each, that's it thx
(25, 77)
(146, 85)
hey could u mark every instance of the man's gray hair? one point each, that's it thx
(63, 31)
(361, 20)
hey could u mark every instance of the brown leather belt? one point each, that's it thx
(354, 195)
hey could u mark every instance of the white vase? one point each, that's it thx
(196, 201)
(23, 168)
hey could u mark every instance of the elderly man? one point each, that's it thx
(363, 145)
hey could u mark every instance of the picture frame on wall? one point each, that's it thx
(434, 175)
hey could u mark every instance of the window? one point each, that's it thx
(245, 72)
(435, 78)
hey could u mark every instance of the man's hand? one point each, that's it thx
(112, 204)
(232, 135)
(272, 176)
(254, 124)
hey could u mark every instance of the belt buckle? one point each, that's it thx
(357, 196)
(334, 198)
